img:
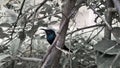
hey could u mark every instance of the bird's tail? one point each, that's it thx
(65, 50)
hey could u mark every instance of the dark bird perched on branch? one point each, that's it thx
(51, 36)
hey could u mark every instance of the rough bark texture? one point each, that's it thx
(109, 4)
(52, 61)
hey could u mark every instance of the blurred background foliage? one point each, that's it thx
(29, 41)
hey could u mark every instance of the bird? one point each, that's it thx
(50, 33)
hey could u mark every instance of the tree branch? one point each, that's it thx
(98, 25)
(101, 17)
(28, 59)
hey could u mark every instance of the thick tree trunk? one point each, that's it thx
(107, 33)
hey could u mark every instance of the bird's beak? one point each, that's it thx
(43, 29)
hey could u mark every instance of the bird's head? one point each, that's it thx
(49, 31)
(50, 35)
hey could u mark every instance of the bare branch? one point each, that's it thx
(98, 25)
(29, 59)
(18, 17)
(101, 18)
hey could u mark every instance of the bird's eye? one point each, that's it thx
(48, 32)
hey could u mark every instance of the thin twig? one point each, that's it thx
(95, 35)
(98, 25)
(30, 59)
(101, 17)
(18, 18)
(110, 48)
(116, 57)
